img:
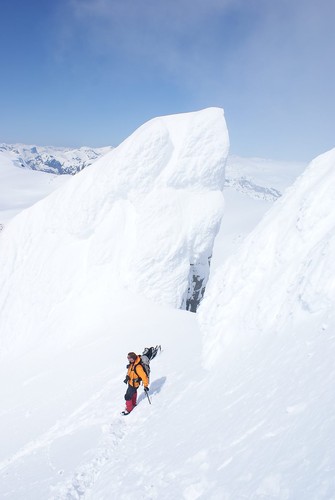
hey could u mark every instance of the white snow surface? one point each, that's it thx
(251, 187)
(284, 267)
(137, 218)
(242, 408)
(242, 212)
(20, 187)
(61, 427)
(268, 324)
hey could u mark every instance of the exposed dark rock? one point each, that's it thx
(198, 277)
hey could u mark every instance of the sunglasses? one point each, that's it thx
(130, 359)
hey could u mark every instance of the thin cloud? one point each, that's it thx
(183, 36)
(163, 32)
(264, 61)
(213, 46)
(177, 12)
(182, 42)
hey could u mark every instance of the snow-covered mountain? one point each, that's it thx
(29, 173)
(242, 394)
(75, 268)
(54, 160)
(258, 178)
(258, 423)
(21, 187)
(296, 235)
(268, 321)
(251, 185)
(143, 217)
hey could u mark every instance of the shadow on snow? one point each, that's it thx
(155, 388)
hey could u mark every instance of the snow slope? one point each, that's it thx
(139, 218)
(242, 212)
(60, 412)
(268, 323)
(259, 424)
(252, 185)
(296, 235)
(21, 188)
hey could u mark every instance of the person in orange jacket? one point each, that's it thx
(135, 376)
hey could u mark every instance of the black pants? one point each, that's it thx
(130, 392)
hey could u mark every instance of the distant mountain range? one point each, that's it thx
(54, 160)
(258, 178)
(261, 178)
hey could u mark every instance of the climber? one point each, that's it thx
(135, 375)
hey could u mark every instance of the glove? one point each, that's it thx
(146, 389)
(126, 380)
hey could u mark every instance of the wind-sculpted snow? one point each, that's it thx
(138, 218)
(268, 325)
(259, 424)
(285, 267)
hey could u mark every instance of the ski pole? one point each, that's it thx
(146, 392)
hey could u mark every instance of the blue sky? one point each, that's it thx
(89, 72)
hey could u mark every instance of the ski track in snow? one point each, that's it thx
(74, 422)
(98, 410)
(79, 486)
(85, 476)
(84, 417)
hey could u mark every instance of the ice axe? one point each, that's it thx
(147, 395)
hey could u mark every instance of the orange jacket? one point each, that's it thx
(136, 374)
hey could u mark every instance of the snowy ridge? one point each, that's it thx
(297, 235)
(137, 219)
(268, 322)
(75, 272)
(54, 160)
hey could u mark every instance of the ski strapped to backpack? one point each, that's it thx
(147, 355)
